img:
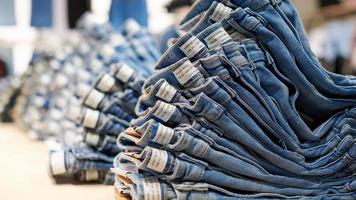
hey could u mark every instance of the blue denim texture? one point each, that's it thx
(42, 13)
(239, 107)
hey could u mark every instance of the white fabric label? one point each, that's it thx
(117, 40)
(84, 48)
(94, 98)
(185, 72)
(236, 36)
(39, 101)
(69, 69)
(95, 65)
(56, 114)
(53, 127)
(164, 135)
(45, 79)
(92, 139)
(166, 92)
(217, 38)
(192, 46)
(151, 189)
(125, 73)
(61, 80)
(73, 113)
(58, 163)
(84, 75)
(91, 118)
(132, 26)
(220, 12)
(164, 111)
(83, 89)
(78, 62)
(91, 175)
(107, 51)
(158, 160)
(62, 103)
(106, 83)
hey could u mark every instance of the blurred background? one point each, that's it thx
(330, 24)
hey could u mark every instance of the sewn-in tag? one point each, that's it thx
(45, 79)
(53, 127)
(39, 101)
(55, 64)
(73, 113)
(166, 92)
(151, 189)
(91, 175)
(84, 75)
(185, 72)
(91, 118)
(106, 83)
(62, 103)
(117, 39)
(95, 64)
(69, 69)
(56, 114)
(236, 36)
(163, 135)
(132, 26)
(84, 48)
(61, 80)
(107, 51)
(217, 38)
(158, 160)
(77, 62)
(83, 89)
(58, 163)
(124, 73)
(94, 98)
(92, 139)
(192, 46)
(220, 12)
(164, 111)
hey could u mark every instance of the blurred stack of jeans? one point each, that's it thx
(108, 106)
(240, 108)
(96, 71)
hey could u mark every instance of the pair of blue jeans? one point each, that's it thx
(245, 23)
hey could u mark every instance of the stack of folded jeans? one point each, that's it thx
(108, 100)
(96, 70)
(108, 107)
(240, 108)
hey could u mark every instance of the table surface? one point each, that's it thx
(24, 172)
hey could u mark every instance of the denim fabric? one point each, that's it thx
(100, 101)
(107, 84)
(122, 10)
(172, 168)
(310, 101)
(103, 143)
(41, 13)
(283, 12)
(77, 159)
(128, 76)
(168, 34)
(309, 153)
(127, 100)
(103, 124)
(181, 140)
